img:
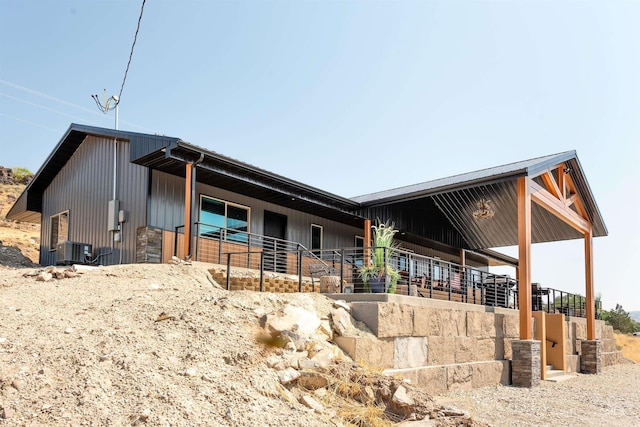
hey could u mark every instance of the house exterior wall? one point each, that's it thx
(84, 187)
(166, 211)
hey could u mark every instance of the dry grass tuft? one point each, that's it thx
(364, 415)
(629, 345)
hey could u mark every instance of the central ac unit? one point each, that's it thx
(73, 253)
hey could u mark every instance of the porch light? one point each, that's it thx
(484, 210)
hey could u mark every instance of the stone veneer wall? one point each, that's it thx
(577, 332)
(439, 344)
(450, 346)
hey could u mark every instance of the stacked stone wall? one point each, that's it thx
(248, 280)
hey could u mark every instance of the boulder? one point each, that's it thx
(341, 320)
(292, 318)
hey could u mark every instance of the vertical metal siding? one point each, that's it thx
(166, 211)
(84, 186)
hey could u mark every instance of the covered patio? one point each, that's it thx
(545, 199)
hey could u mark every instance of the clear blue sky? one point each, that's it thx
(325, 91)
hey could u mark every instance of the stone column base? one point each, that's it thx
(591, 357)
(525, 363)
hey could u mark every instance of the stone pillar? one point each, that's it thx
(591, 357)
(525, 363)
(149, 245)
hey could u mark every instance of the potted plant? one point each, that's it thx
(378, 276)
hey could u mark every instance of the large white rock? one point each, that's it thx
(295, 319)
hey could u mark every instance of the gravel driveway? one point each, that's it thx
(611, 398)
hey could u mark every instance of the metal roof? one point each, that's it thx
(456, 197)
(169, 155)
(29, 205)
(483, 176)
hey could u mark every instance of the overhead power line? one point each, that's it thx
(133, 45)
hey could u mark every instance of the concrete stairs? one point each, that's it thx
(557, 375)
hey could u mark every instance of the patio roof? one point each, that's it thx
(457, 196)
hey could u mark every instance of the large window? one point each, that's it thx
(223, 219)
(59, 229)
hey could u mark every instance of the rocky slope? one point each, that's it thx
(164, 345)
(19, 242)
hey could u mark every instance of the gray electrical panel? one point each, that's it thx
(112, 216)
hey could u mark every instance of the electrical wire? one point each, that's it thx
(135, 38)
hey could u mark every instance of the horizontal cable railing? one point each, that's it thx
(419, 275)
(212, 242)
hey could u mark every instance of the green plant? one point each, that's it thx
(384, 247)
(21, 175)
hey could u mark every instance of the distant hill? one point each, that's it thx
(635, 315)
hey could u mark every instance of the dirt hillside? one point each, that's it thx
(24, 237)
(164, 345)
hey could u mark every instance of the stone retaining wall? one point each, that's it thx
(248, 280)
(445, 345)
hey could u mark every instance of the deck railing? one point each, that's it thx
(420, 275)
(556, 301)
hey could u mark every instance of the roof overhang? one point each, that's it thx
(457, 199)
(226, 173)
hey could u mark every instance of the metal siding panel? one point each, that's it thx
(132, 193)
(166, 211)
(84, 187)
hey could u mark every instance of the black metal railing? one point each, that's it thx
(212, 243)
(420, 275)
(556, 301)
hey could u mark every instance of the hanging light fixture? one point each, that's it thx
(484, 211)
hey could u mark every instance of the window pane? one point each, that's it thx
(63, 227)
(237, 223)
(316, 237)
(211, 217)
(59, 229)
(54, 232)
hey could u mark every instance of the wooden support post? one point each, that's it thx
(524, 258)
(187, 210)
(367, 240)
(463, 258)
(590, 300)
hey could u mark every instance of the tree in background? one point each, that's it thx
(620, 320)
(22, 175)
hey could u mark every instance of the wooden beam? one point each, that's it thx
(556, 207)
(551, 185)
(524, 258)
(562, 185)
(590, 299)
(578, 201)
(571, 200)
(187, 210)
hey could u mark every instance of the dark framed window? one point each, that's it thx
(223, 219)
(316, 236)
(59, 231)
(359, 253)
